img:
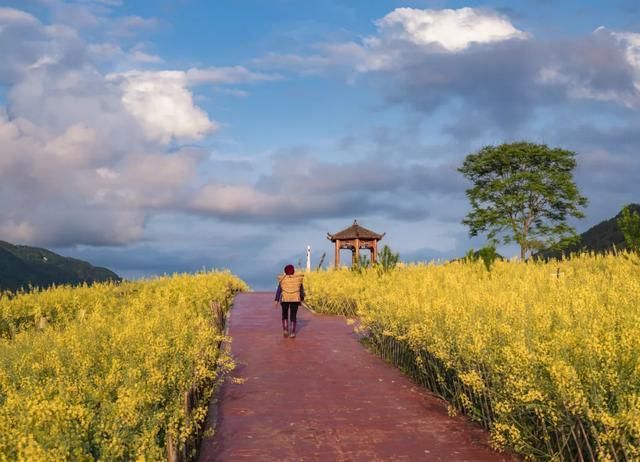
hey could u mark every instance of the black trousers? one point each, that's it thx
(293, 306)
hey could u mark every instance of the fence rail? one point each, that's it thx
(574, 439)
(193, 398)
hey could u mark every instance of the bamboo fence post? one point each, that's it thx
(586, 438)
(172, 454)
(575, 438)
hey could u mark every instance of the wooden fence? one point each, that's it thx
(194, 396)
(571, 438)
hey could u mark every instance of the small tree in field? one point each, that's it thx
(387, 259)
(362, 262)
(487, 254)
(629, 223)
(523, 192)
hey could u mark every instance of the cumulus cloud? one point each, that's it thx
(24, 42)
(70, 187)
(89, 157)
(600, 67)
(401, 36)
(477, 58)
(91, 151)
(163, 104)
(299, 188)
(450, 30)
(630, 43)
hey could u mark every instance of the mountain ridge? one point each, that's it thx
(22, 266)
(599, 238)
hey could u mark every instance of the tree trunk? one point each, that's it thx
(523, 243)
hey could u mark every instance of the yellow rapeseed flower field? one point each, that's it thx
(545, 355)
(101, 372)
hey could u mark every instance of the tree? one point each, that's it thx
(629, 223)
(361, 262)
(387, 259)
(487, 254)
(523, 192)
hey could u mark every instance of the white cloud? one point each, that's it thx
(76, 187)
(230, 200)
(163, 104)
(402, 36)
(16, 17)
(74, 147)
(232, 92)
(229, 74)
(608, 71)
(631, 44)
(430, 58)
(312, 64)
(450, 30)
(84, 157)
(407, 33)
(132, 25)
(142, 57)
(98, 16)
(13, 231)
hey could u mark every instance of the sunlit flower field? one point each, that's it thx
(544, 355)
(102, 372)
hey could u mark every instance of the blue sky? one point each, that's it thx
(171, 135)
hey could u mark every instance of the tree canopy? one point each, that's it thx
(629, 223)
(524, 193)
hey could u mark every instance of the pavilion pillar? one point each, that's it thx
(337, 256)
(357, 251)
(374, 252)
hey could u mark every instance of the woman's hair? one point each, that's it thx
(289, 270)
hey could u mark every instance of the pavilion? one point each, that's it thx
(355, 238)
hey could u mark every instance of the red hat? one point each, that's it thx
(289, 270)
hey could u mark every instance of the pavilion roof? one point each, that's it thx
(355, 231)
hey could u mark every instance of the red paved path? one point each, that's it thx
(323, 396)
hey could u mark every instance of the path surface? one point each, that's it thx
(322, 396)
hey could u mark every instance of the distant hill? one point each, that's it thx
(21, 266)
(599, 238)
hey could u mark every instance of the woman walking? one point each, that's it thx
(290, 294)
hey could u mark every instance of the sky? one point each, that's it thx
(164, 136)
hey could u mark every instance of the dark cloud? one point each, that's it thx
(622, 139)
(78, 167)
(581, 93)
(506, 83)
(442, 179)
(503, 80)
(299, 187)
(242, 255)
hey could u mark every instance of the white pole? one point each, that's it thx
(308, 259)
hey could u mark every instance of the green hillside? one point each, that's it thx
(600, 238)
(21, 266)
